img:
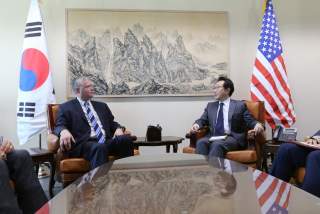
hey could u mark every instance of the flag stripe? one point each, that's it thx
(28, 115)
(33, 29)
(268, 117)
(269, 99)
(33, 24)
(30, 104)
(277, 74)
(30, 109)
(271, 192)
(280, 98)
(260, 179)
(32, 35)
(286, 203)
(286, 91)
(281, 191)
(270, 199)
(264, 197)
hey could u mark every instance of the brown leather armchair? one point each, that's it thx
(67, 169)
(252, 155)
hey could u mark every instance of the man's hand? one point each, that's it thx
(313, 141)
(127, 132)
(195, 127)
(258, 129)
(118, 132)
(66, 140)
(6, 147)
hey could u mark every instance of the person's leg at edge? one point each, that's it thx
(8, 200)
(289, 157)
(95, 153)
(202, 146)
(31, 196)
(311, 181)
(221, 147)
(121, 146)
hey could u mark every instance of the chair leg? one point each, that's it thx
(51, 181)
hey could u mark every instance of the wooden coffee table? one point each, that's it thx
(165, 141)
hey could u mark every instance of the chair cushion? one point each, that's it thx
(244, 156)
(78, 165)
(74, 165)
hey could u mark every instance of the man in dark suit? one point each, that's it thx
(87, 128)
(225, 117)
(291, 156)
(27, 196)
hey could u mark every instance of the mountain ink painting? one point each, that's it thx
(147, 53)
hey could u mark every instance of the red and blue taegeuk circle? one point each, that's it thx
(34, 69)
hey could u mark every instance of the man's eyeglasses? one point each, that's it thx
(217, 87)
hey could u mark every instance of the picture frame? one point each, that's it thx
(147, 53)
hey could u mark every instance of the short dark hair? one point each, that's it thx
(227, 83)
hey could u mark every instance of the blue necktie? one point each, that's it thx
(94, 123)
(219, 128)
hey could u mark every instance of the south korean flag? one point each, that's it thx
(35, 86)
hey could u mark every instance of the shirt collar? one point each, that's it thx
(81, 101)
(226, 101)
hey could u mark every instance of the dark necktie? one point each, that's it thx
(219, 128)
(94, 123)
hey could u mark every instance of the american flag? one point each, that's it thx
(269, 81)
(273, 194)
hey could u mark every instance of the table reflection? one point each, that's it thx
(168, 183)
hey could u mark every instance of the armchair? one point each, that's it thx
(252, 155)
(67, 169)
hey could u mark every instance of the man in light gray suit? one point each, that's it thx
(225, 117)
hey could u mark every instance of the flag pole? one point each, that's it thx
(40, 141)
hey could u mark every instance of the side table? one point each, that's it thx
(270, 149)
(165, 141)
(40, 156)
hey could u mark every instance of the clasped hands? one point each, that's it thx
(258, 129)
(5, 148)
(66, 138)
(313, 140)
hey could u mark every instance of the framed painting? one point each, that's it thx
(147, 53)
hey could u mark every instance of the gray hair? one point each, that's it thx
(77, 84)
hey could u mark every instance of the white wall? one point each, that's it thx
(299, 23)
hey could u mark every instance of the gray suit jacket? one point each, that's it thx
(240, 119)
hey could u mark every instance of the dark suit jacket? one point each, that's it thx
(239, 119)
(71, 117)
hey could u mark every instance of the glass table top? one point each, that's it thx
(179, 183)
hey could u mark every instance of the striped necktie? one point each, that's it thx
(94, 123)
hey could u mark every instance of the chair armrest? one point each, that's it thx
(53, 143)
(194, 136)
(255, 142)
(260, 138)
(198, 134)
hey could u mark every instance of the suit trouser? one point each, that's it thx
(28, 196)
(97, 154)
(217, 148)
(290, 157)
